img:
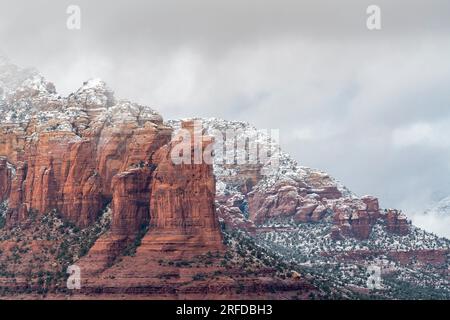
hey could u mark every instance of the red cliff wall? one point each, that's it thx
(5, 179)
(182, 208)
(73, 174)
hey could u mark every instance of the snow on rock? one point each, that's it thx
(441, 208)
(26, 97)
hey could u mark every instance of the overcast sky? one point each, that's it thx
(370, 107)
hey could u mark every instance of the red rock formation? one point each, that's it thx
(81, 198)
(131, 205)
(396, 222)
(130, 214)
(12, 142)
(46, 161)
(17, 210)
(177, 199)
(233, 219)
(371, 203)
(281, 200)
(327, 192)
(123, 145)
(182, 208)
(5, 179)
(355, 218)
(305, 211)
(361, 224)
(322, 184)
(73, 174)
(305, 201)
(246, 177)
(437, 257)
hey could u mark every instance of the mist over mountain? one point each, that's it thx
(375, 101)
(88, 179)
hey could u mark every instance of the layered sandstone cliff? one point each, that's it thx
(67, 150)
(176, 200)
(90, 180)
(75, 155)
(5, 179)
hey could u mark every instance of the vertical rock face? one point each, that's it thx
(73, 174)
(130, 210)
(5, 179)
(12, 143)
(130, 214)
(46, 161)
(70, 149)
(81, 198)
(131, 204)
(371, 203)
(18, 212)
(126, 144)
(183, 216)
(355, 217)
(177, 200)
(396, 222)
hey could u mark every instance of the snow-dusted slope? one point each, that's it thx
(12, 77)
(286, 168)
(436, 218)
(343, 261)
(26, 96)
(442, 208)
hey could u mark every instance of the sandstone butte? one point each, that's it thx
(129, 166)
(177, 201)
(79, 155)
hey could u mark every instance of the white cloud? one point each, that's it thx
(436, 135)
(437, 224)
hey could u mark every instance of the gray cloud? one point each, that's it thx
(372, 108)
